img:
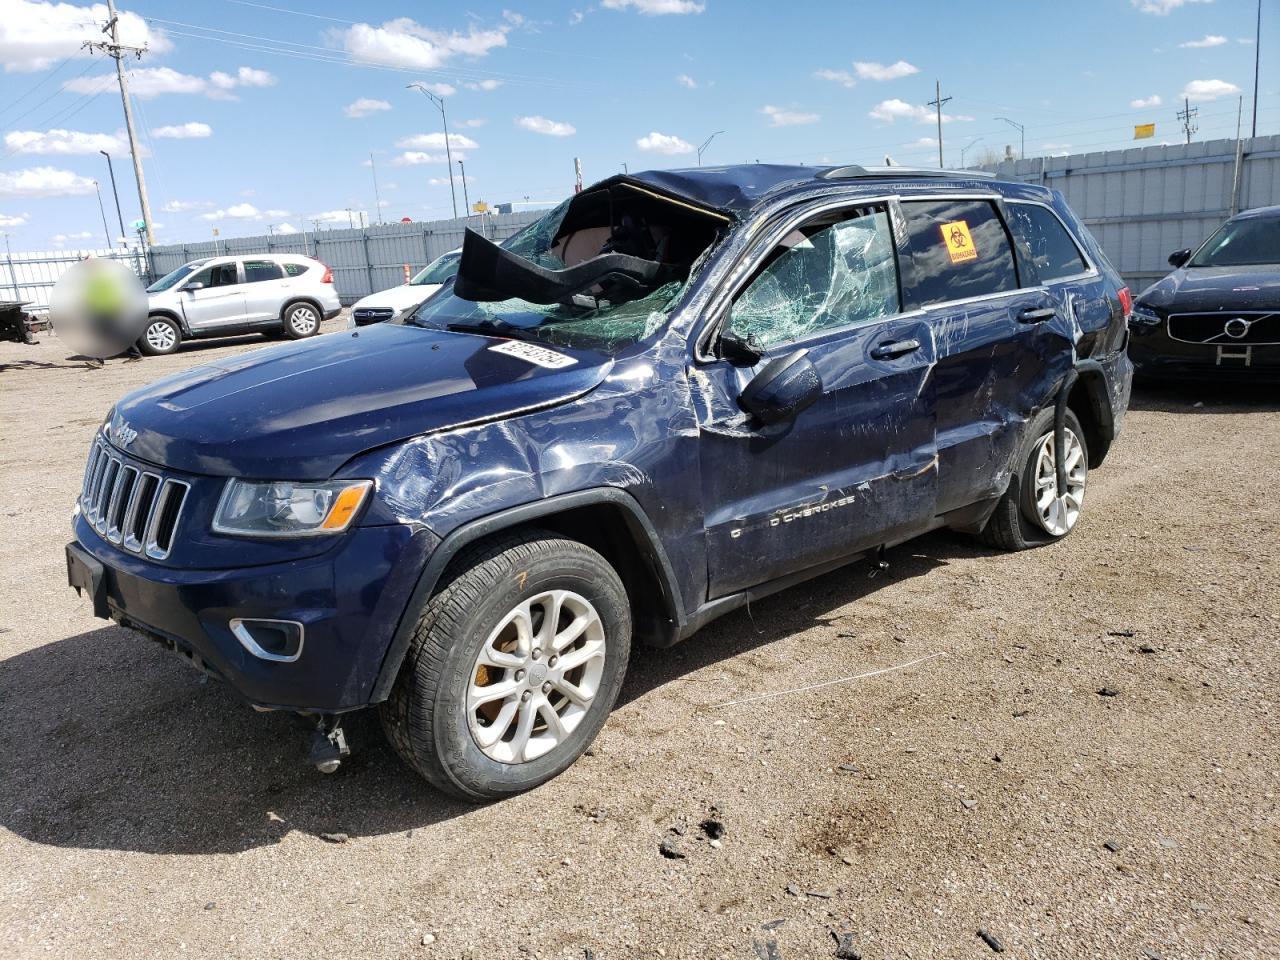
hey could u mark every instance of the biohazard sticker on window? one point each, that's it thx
(959, 242)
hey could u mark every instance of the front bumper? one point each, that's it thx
(1157, 356)
(349, 600)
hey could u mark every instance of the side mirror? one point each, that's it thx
(783, 388)
(1179, 257)
(193, 286)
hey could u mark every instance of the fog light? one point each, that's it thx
(277, 640)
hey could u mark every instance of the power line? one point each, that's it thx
(92, 63)
(35, 86)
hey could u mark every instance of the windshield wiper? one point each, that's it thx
(490, 328)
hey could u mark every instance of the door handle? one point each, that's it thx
(1036, 314)
(894, 348)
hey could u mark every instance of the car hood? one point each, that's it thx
(397, 298)
(299, 411)
(1208, 289)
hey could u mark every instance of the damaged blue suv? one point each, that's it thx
(677, 392)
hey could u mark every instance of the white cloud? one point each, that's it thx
(880, 71)
(485, 85)
(925, 142)
(778, 117)
(412, 158)
(184, 206)
(440, 89)
(364, 106)
(687, 81)
(403, 42)
(193, 130)
(1204, 90)
(61, 239)
(1162, 7)
(444, 181)
(1210, 40)
(842, 77)
(237, 211)
(35, 35)
(149, 82)
(473, 123)
(43, 182)
(286, 228)
(1146, 103)
(550, 128)
(664, 143)
(62, 142)
(435, 141)
(346, 217)
(12, 220)
(576, 17)
(1056, 149)
(888, 111)
(656, 8)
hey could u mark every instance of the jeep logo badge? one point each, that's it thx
(122, 433)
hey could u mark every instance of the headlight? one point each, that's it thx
(1144, 318)
(285, 509)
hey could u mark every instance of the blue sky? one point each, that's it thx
(266, 112)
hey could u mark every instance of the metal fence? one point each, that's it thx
(1146, 202)
(363, 260)
(30, 277)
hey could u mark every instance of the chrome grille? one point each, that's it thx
(1244, 327)
(134, 508)
(363, 317)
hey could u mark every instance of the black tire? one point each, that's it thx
(275, 333)
(426, 717)
(160, 337)
(1013, 525)
(301, 320)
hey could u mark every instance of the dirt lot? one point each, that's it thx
(145, 813)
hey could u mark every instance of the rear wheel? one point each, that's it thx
(161, 336)
(1033, 512)
(301, 320)
(513, 667)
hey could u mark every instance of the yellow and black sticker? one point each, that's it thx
(959, 242)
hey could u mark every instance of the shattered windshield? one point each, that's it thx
(615, 261)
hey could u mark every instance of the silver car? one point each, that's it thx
(274, 294)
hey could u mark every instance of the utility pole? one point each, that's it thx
(448, 154)
(706, 143)
(106, 231)
(1257, 54)
(117, 52)
(112, 172)
(1022, 149)
(466, 201)
(377, 200)
(1186, 115)
(938, 101)
(351, 224)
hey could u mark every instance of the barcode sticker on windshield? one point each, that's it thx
(532, 353)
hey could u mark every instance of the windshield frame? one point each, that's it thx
(1232, 225)
(174, 277)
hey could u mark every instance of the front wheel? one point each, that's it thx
(301, 320)
(1033, 511)
(161, 336)
(513, 667)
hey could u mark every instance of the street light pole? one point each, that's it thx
(448, 154)
(377, 200)
(106, 231)
(965, 149)
(1022, 130)
(1257, 54)
(706, 143)
(112, 172)
(466, 201)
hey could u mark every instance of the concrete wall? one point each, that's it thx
(1146, 202)
(363, 260)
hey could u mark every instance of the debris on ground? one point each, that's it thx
(334, 837)
(1119, 633)
(845, 950)
(1108, 692)
(1146, 648)
(1111, 845)
(794, 890)
(713, 828)
(990, 940)
(669, 849)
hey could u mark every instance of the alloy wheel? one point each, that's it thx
(160, 336)
(536, 676)
(1057, 514)
(303, 321)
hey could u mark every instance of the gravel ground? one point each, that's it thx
(146, 813)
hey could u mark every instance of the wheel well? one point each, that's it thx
(612, 532)
(307, 300)
(1087, 401)
(169, 315)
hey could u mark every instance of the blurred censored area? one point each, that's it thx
(98, 308)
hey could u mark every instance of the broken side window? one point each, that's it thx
(822, 275)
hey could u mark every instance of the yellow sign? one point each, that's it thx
(480, 207)
(1143, 130)
(959, 242)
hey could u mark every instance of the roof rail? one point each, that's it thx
(855, 171)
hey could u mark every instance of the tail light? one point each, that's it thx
(328, 278)
(1126, 301)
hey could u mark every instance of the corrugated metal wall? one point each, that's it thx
(30, 276)
(1144, 203)
(363, 260)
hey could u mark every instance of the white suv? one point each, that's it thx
(272, 294)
